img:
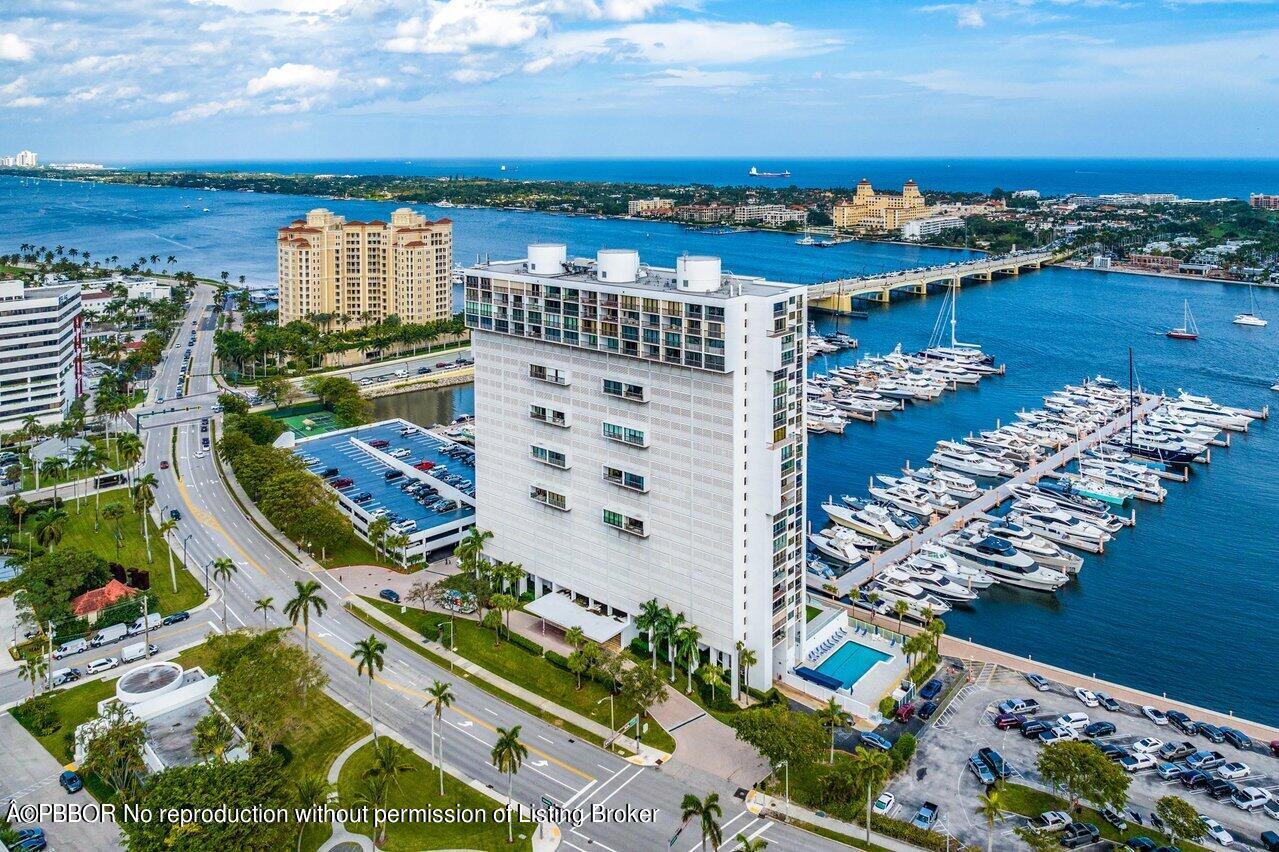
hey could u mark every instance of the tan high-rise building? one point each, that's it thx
(879, 212)
(366, 271)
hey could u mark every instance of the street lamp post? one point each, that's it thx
(439, 631)
(611, 726)
(786, 765)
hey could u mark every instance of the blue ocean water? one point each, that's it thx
(1182, 603)
(1187, 178)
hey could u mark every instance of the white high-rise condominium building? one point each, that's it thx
(640, 435)
(40, 347)
(28, 160)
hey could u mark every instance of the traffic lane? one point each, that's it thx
(412, 365)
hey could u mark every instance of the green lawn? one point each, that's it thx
(73, 707)
(525, 669)
(131, 552)
(1028, 801)
(360, 552)
(109, 463)
(811, 612)
(419, 788)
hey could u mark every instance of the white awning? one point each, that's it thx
(564, 613)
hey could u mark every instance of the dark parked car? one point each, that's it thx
(363, 497)
(995, 761)
(1099, 729)
(1140, 843)
(1274, 748)
(1237, 738)
(379, 443)
(392, 474)
(329, 473)
(926, 710)
(389, 595)
(164, 465)
(1080, 834)
(874, 740)
(931, 689)
(1220, 788)
(1270, 840)
(1109, 703)
(175, 617)
(70, 782)
(1112, 751)
(1193, 779)
(175, 514)
(905, 712)
(341, 482)
(1008, 721)
(1181, 721)
(1212, 732)
(1034, 728)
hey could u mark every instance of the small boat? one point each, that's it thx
(806, 240)
(1251, 317)
(842, 545)
(1188, 330)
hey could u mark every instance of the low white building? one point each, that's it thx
(917, 229)
(769, 214)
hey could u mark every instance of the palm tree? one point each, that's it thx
(834, 717)
(872, 767)
(264, 605)
(707, 812)
(650, 616)
(19, 508)
(687, 639)
(33, 669)
(306, 601)
(377, 532)
(672, 624)
(53, 468)
(143, 500)
(390, 761)
(507, 755)
(745, 660)
(575, 637)
(441, 697)
(48, 527)
(747, 844)
(114, 511)
(130, 448)
(713, 676)
(368, 655)
(167, 527)
(86, 458)
(396, 543)
(310, 792)
(992, 809)
(900, 608)
(471, 548)
(223, 570)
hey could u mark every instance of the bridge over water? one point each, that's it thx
(839, 296)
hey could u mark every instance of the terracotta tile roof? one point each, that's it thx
(96, 599)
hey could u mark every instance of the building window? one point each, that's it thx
(548, 498)
(625, 523)
(625, 435)
(626, 479)
(548, 415)
(548, 374)
(637, 393)
(554, 458)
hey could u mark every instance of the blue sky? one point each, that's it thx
(120, 80)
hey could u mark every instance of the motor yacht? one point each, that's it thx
(1141, 483)
(890, 589)
(820, 568)
(842, 544)
(872, 520)
(1045, 552)
(1165, 451)
(930, 580)
(822, 410)
(939, 558)
(956, 484)
(918, 498)
(964, 459)
(1041, 503)
(999, 558)
(910, 523)
(1199, 409)
(1062, 494)
(1056, 525)
(1097, 488)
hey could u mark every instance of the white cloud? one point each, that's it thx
(970, 17)
(695, 78)
(297, 7)
(14, 48)
(209, 109)
(291, 78)
(26, 101)
(475, 75)
(458, 26)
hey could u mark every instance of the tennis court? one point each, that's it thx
(311, 423)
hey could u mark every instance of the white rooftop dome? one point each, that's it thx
(617, 266)
(547, 258)
(697, 273)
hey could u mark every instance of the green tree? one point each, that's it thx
(781, 735)
(712, 675)
(213, 736)
(644, 687)
(991, 807)
(49, 526)
(369, 657)
(707, 812)
(507, 755)
(19, 508)
(1082, 772)
(390, 761)
(167, 527)
(33, 669)
(579, 663)
(223, 570)
(262, 680)
(900, 609)
(833, 717)
(113, 512)
(650, 615)
(310, 792)
(143, 500)
(747, 844)
(53, 468)
(114, 750)
(504, 603)
(377, 531)
(307, 600)
(1180, 817)
(687, 639)
(746, 660)
(264, 606)
(441, 697)
(470, 550)
(872, 769)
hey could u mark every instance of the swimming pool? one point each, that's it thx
(850, 662)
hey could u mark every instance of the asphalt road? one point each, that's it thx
(559, 767)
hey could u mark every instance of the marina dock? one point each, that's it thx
(990, 499)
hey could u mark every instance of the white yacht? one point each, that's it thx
(930, 580)
(956, 484)
(965, 460)
(939, 558)
(872, 520)
(842, 544)
(1200, 409)
(923, 499)
(894, 588)
(1002, 560)
(1142, 484)
(1045, 552)
(1056, 525)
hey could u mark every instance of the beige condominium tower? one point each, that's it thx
(357, 273)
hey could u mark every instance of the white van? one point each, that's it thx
(107, 635)
(61, 676)
(66, 649)
(152, 622)
(1074, 721)
(401, 373)
(129, 653)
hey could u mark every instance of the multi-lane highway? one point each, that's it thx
(565, 770)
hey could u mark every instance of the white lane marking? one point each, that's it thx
(592, 842)
(617, 789)
(592, 783)
(723, 827)
(490, 712)
(545, 740)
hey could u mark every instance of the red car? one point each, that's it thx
(424, 465)
(164, 465)
(1274, 747)
(341, 482)
(1007, 721)
(905, 712)
(379, 443)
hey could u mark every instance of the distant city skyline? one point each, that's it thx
(137, 80)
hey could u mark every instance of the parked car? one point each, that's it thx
(1176, 750)
(1168, 771)
(1220, 788)
(1271, 808)
(1086, 697)
(1147, 745)
(931, 689)
(389, 595)
(1138, 762)
(1193, 779)
(70, 782)
(341, 482)
(1099, 729)
(1109, 703)
(926, 710)
(1034, 728)
(1233, 770)
(1270, 840)
(102, 664)
(995, 761)
(1058, 733)
(1212, 732)
(1050, 821)
(1215, 830)
(29, 840)
(1155, 715)
(885, 804)
(174, 618)
(925, 816)
(1140, 843)
(1039, 682)
(874, 740)
(379, 443)
(62, 676)
(164, 464)
(981, 771)
(1074, 721)
(1009, 721)
(1113, 816)
(905, 712)
(1024, 706)
(1079, 834)
(1205, 760)
(1237, 738)
(1114, 753)
(1181, 721)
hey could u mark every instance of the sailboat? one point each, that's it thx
(1188, 329)
(1251, 318)
(806, 240)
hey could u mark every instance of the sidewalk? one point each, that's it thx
(757, 802)
(648, 756)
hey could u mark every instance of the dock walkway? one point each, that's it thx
(990, 499)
